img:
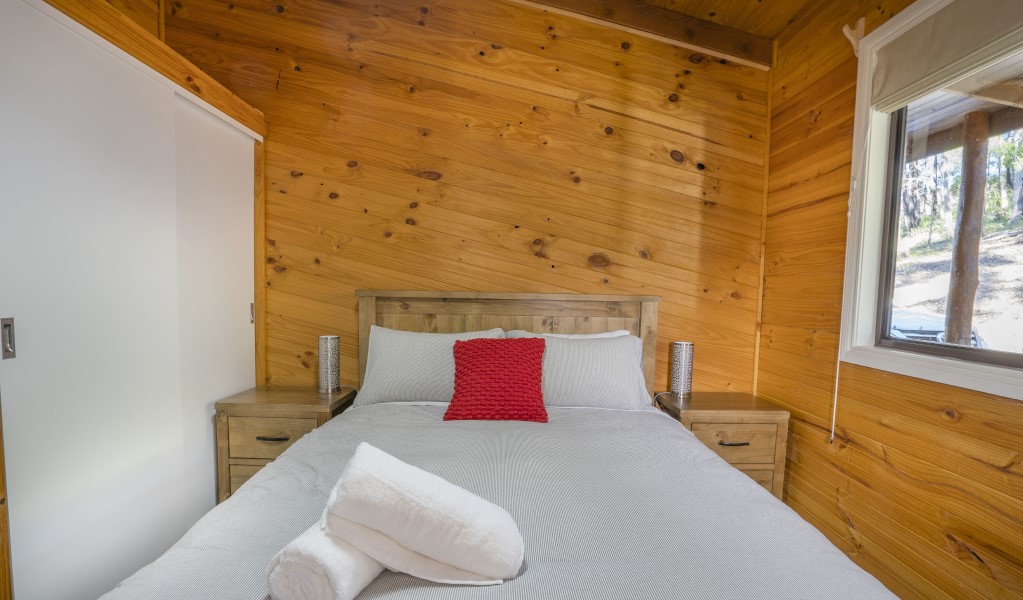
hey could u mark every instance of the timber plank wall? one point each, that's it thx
(479, 145)
(924, 484)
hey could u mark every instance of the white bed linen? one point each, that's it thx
(611, 504)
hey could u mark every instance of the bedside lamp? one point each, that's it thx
(681, 382)
(330, 364)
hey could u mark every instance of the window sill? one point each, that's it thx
(1002, 381)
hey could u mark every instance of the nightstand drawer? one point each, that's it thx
(740, 443)
(764, 477)
(241, 473)
(265, 437)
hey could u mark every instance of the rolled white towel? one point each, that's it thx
(418, 523)
(319, 566)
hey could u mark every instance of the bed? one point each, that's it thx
(612, 503)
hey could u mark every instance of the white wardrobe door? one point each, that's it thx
(129, 279)
(215, 277)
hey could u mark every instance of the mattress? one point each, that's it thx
(611, 504)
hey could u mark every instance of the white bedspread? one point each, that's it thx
(611, 504)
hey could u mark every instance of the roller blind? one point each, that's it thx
(957, 40)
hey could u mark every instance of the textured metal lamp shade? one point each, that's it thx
(330, 364)
(681, 383)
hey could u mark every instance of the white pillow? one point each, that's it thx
(408, 366)
(519, 333)
(595, 372)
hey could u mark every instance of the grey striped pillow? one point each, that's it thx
(408, 366)
(595, 372)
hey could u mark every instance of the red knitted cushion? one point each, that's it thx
(498, 379)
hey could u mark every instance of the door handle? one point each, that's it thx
(7, 337)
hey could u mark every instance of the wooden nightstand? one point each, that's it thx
(748, 432)
(257, 425)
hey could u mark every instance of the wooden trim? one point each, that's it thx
(115, 27)
(367, 318)
(259, 275)
(763, 226)
(648, 332)
(504, 296)
(161, 21)
(661, 24)
(572, 313)
(223, 458)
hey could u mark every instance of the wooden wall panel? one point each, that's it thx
(144, 12)
(478, 145)
(923, 486)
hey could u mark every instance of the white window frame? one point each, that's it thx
(863, 260)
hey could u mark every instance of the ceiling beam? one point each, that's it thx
(1002, 121)
(668, 26)
(1008, 92)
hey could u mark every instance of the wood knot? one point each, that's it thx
(388, 234)
(413, 205)
(316, 259)
(270, 260)
(423, 10)
(643, 254)
(696, 58)
(576, 179)
(271, 242)
(410, 221)
(332, 195)
(950, 414)
(736, 296)
(279, 9)
(280, 269)
(609, 130)
(700, 166)
(297, 173)
(677, 156)
(626, 45)
(431, 175)
(673, 98)
(352, 164)
(599, 260)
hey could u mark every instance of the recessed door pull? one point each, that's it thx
(7, 337)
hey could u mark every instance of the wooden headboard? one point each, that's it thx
(453, 312)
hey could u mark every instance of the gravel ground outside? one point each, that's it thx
(921, 283)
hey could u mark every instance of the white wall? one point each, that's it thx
(126, 224)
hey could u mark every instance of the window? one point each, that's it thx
(934, 274)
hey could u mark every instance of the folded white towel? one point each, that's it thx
(415, 522)
(319, 566)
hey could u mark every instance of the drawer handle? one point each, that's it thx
(732, 444)
(270, 438)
